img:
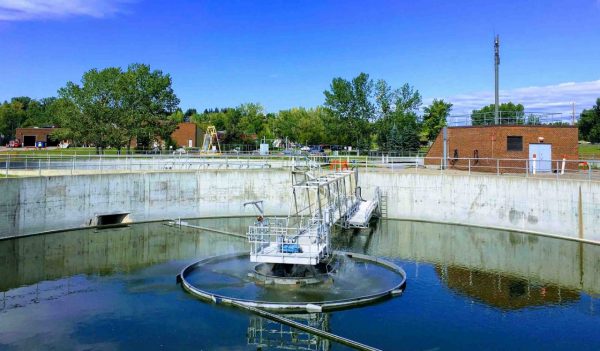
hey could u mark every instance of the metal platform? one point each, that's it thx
(321, 200)
(362, 214)
(273, 240)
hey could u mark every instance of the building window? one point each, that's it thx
(514, 143)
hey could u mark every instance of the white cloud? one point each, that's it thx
(20, 10)
(550, 98)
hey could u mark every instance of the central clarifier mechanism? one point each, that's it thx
(295, 252)
(297, 249)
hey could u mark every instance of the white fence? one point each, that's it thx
(23, 165)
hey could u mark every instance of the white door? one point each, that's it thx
(543, 157)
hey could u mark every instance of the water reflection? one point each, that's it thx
(548, 263)
(76, 288)
(503, 291)
(265, 333)
(32, 267)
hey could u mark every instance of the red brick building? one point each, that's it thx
(187, 134)
(29, 136)
(484, 143)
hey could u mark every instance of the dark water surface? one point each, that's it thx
(467, 288)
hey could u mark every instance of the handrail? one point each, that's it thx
(26, 165)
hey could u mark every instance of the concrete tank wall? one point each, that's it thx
(31, 205)
(529, 204)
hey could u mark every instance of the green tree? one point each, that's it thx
(589, 124)
(177, 116)
(384, 98)
(409, 133)
(301, 125)
(350, 104)
(202, 120)
(94, 112)
(509, 113)
(24, 111)
(64, 109)
(112, 107)
(286, 124)
(397, 107)
(236, 122)
(434, 118)
(189, 113)
(24, 101)
(230, 119)
(394, 142)
(408, 100)
(12, 116)
(148, 102)
(252, 118)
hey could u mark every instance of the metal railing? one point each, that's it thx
(557, 168)
(39, 165)
(275, 237)
(512, 118)
(24, 165)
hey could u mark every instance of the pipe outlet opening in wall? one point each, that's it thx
(110, 219)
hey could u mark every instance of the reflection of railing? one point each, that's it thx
(44, 291)
(265, 333)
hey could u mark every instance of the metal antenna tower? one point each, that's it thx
(496, 68)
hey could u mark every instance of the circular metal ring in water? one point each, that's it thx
(309, 306)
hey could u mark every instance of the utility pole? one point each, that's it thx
(573, 104)
(496, 67)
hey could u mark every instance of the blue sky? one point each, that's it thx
(285, 53)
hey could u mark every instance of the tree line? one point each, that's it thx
(137, 106)
(360, 112)
(109, 107)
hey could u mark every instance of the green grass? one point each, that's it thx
(69, 151)
(589, 151)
